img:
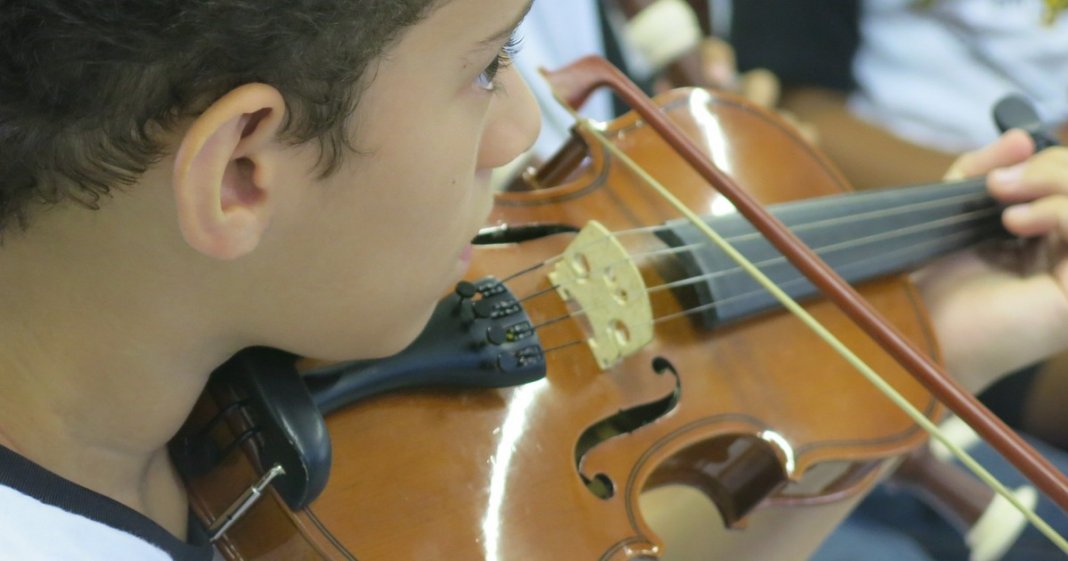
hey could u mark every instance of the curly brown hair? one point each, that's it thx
(87, 87)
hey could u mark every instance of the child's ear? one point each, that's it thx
(224, 171)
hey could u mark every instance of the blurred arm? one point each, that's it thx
(868, 155)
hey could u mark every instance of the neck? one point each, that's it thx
(104, 427)
(93, 388)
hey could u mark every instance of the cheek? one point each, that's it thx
(412, 190)
(439, 180)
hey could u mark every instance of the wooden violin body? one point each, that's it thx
(759, 416)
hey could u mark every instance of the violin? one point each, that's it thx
(668, 36)
(663, 369)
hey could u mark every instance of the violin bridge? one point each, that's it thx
(597, 274)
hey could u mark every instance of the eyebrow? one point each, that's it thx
(507, 31)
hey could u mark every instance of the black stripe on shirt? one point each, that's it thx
(35, 481)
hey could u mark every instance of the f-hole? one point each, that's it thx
(626, 421)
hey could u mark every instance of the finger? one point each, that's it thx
(1012, 147)
(760, 86)
(1042, 216)
(717, 58)
(1044, 174)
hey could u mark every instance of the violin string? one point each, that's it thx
(902, 209)
(527, 271)
(860, 217)
(558, 319)
(552, 288)
(562, 347)
(758, 293)
(907, 208)
(820, 330)
(964, 219)
(978, 216)
(745, 296)
(737, 298)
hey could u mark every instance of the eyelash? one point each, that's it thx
(487, 79)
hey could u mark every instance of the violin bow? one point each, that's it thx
(576, 82)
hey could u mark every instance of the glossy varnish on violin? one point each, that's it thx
(501, 474)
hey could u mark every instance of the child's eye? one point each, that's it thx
(487, 79)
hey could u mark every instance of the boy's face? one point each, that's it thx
(373, 247)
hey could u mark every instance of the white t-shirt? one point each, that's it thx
(932, 73)
(31, 530)
(44, 517)
(928, 70)
(554, 34)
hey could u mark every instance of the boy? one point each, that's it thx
(250, 205)
(184, 179)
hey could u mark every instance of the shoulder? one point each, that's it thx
(46, 517)
(31, 529)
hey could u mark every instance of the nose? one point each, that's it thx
(512, 123)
